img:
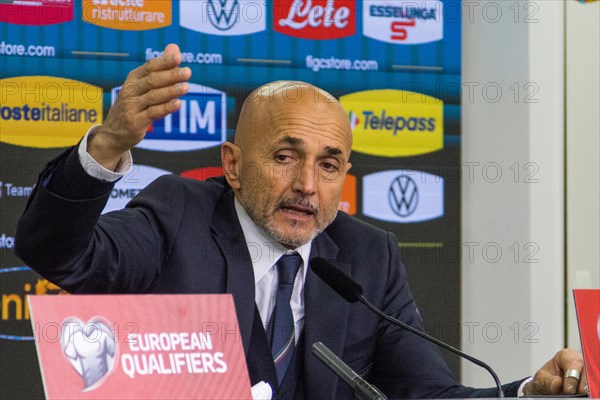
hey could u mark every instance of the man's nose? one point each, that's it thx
(305, 179)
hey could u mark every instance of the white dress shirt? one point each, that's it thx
(264, 250)
(264, 253)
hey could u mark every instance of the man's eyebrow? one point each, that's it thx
(291, 141)
(333, 151)
(330, 150)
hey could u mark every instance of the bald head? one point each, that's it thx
(287, 99)
(289, 160)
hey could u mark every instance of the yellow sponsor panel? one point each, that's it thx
(129, 15)
(46, 111)
(395, 123)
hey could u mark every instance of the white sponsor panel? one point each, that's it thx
(200, 122)
(224, 17)
(130, 185)
(403, 196)
(403, 22)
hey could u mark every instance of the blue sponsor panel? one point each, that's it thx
(200, 123)
(240, 32)
(403, 196)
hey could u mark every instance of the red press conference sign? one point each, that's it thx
(587, 304)
(139, 347)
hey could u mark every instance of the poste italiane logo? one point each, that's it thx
(131, 15)
(224, 17)
(45, 111)
(394, 123)
(403, 22)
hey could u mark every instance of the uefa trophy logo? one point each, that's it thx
(90, 348)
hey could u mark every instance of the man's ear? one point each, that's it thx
(231, 158)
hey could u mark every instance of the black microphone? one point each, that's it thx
(363, 390)
(352, 291)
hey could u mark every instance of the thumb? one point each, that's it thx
(545, 383)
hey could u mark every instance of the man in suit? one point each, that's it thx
(250, 233)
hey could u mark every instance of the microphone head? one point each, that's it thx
(343, 285)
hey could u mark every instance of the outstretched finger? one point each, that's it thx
(163, 95)
(161, 79)
(158, 111)
(170, 58)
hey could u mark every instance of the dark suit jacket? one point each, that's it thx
(183, 236)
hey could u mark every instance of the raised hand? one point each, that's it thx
(150, 92)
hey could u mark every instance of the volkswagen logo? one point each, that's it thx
(403, 196)
(223, 14)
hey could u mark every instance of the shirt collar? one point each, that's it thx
(264, 250)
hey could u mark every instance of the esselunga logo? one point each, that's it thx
(403, 22)
(130, 185)
(46, 111)
(395, 123)
(16, 284)
(131, 15)
(200, 123)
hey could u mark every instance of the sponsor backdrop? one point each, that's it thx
(394, 64)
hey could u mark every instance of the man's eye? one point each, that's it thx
(282, 158)
(329, 167)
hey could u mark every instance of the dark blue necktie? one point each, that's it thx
(282, 332)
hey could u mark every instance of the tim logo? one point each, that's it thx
(90, 348)
(200, 122)
(315, 19)
(224, 17)
(403, 196)
(403, 22)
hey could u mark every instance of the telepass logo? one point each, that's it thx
(394, 123)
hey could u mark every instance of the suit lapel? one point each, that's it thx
(240, 275)
(326, 318)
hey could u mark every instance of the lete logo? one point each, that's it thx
(315, 19)
(90, 348)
